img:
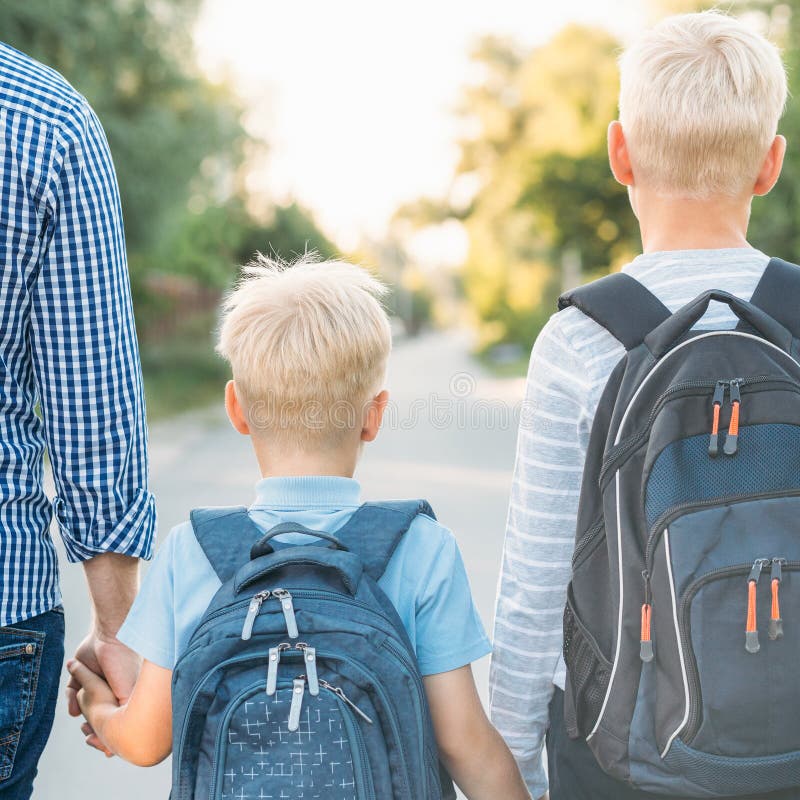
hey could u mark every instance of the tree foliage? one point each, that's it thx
(176, 139)
(538, 150)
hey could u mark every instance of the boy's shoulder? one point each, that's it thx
(426, 548)
(427, 534)
(425, 539)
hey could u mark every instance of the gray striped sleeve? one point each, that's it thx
(563, 387)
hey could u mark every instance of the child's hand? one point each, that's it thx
(97, 702)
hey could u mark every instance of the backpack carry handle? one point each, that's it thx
(347, 566)
(263, 547)
(681, 322)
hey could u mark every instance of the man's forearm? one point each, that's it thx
(113, 583)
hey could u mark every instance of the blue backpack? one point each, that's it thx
(300, 680)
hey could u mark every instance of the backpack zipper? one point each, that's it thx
(692, 725)
(620, 451)
(586, 540)
(669, 516)
(284, 597)
(338, 597)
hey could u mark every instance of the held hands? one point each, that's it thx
(103, 671)
(95, 700)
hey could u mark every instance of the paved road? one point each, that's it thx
(449, 437)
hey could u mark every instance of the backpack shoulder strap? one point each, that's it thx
(375, 530)
(225, 535)
(778, 294)
(621, 305)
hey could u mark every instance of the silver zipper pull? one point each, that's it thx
(252, 613)
(298, 689)
(274, 659)
(288, 611)
(310, 657)
(339, 692)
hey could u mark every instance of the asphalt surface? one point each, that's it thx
(448, 436)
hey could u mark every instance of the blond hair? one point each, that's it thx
(308, 344)
(700, 99)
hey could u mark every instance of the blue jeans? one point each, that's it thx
(31, 660)
(575, 775)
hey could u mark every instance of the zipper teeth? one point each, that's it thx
(422, 706)
(692, 726)
(366, 775)
(669, 516)
(586, 540)
(309, 593)
(613, 458)
(252, 689)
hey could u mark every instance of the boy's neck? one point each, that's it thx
(275, 463)
(675, 223)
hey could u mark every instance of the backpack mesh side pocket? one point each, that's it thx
(588, 673)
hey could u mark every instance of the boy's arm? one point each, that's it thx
(540, 537)
(140, 731)
(474, 753)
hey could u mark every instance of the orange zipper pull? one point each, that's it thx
(751, 643)
(719, 399)
(646, 644)
(775, 621)
(732, 439)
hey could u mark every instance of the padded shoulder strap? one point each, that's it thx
(375, 530)
(778, 294)
(621, 305)
(226, 535)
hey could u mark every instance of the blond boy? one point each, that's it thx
(700, 100)
(308, 346)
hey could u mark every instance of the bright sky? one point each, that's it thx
(356, 97)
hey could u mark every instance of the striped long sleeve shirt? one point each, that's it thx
(67, 344)
(569, 367)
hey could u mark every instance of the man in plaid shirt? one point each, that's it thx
(68, 344)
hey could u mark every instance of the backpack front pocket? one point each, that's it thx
(291, 744)
(732, 634)
(725, 589)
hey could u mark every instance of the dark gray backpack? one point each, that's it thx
(682, 624)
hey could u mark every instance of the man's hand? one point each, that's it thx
(110, 659)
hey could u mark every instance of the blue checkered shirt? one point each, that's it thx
(67, 344)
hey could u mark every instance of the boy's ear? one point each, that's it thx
(235, 411)
(618, 156)
(374, 416)
(771, 168)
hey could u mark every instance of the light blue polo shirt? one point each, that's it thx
(425, 578)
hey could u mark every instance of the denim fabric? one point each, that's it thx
(575, 775)
(31, 658)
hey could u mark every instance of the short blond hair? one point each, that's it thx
(700, 99)
(308, 344)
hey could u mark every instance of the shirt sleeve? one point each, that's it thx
(449, 631)
(149, 628)
(539, 541)
(85, 354)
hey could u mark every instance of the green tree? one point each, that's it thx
(545, 188)
(179, 152)
(133, 60)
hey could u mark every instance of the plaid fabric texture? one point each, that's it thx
(70, 379)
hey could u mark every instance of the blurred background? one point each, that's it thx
(456, 148)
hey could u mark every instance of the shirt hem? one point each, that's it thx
(455, 660)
